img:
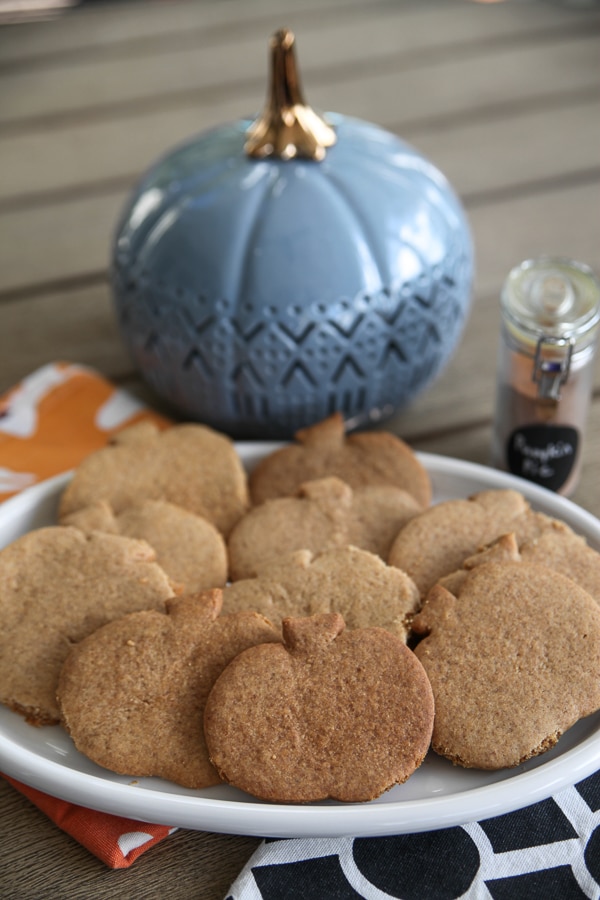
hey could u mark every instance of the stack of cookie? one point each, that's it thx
(306, 631)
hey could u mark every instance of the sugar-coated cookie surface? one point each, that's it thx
(336, 713)
(188, 547)
(324, 513)
(189, 465)
(132, 694)
(324, 449)
(513, 659)
(57, 585)
(353, 582)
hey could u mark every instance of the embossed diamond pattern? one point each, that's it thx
(286, 367)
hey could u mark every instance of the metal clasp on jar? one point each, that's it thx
(551, 373)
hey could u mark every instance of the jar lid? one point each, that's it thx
(552, 298)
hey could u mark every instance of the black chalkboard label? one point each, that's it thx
(544, 454)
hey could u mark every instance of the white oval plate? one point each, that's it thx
(438, 795)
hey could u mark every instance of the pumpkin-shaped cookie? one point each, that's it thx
(132, 694)
(336, 713)
(513, 660)
(57, 586)
(436, 542)
(189, 465)
(503, 549)
(324, 449)
(560, 548)
(188, 547)
(324, 513)
(347, 580)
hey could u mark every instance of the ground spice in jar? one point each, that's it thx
(550, 324)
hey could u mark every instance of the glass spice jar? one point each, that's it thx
(550, 323)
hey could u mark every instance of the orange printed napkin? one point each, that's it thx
(55, 417)
(48, 423)
(115, 840)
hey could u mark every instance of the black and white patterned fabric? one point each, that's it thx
(548, 851)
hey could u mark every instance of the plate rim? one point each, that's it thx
(186, 809)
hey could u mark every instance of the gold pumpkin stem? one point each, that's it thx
(287, 128)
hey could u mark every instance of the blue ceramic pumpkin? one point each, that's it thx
(267, 274)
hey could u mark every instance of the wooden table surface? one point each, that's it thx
(504, 98)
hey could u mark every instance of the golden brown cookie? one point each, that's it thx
(513, 660)
(560, 548)
(324, 449)
(547, 542)
(189, 465)
(436, 542)
(325, 513)
(330, 712)
(57, 586)
(188, 547)
(347, 580)
(504, 548)
(132, 694)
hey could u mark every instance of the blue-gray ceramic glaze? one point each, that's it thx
(258, 296)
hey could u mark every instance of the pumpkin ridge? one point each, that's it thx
(190, 183)
(165, 217)
(385, 278)
(239, 246)
(336, 184)
(246, 241)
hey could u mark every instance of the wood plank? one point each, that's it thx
(482, 157)
(557, 222)
(493, 152)
(88, 32)
(378, 44)
(467, 87)
(129, 28)
(117, 148)
(76, 326)
(65, 241)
